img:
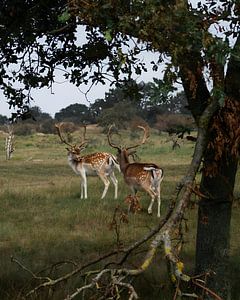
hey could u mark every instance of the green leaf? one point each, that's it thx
(64, 17)
(108, 35)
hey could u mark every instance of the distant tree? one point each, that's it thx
(34, 121)
(120, 114)
(25, 128)
(76, 113)
(156, 93)
(97, 107)
(148, 99)
(158, 99)
(130, 93)
(47, 126)
(178, 104)
(178, 124)
(34, 114)
(39, 115)
(3, 120)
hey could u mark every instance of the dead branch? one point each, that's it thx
(29, 271)
(89, 286)
(207, 290)
(119, 217)
(9, 142)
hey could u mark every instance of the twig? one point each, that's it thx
(207, 290)
(29, 271)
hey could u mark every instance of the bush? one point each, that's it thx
(120, 115)
(174, 123)
(22, 128)
(47, 127)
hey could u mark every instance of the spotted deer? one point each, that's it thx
(100, 164)
(139, 176)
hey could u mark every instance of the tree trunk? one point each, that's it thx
(213, 234)
(214, 214)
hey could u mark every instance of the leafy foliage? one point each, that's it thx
(38, 37)
(76, 113)
(144, 100)
(120, 115)
(3, 120)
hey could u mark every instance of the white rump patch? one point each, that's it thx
(156, 173)
(149, 168)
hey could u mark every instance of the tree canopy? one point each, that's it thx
(77, 113)
(38, 37)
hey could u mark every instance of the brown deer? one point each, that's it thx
(100, 164)
(139, 176)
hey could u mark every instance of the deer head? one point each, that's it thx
(74, 149)
(123, 152)
(119, 148)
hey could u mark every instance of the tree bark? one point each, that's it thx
(214, 213)
(214, 217)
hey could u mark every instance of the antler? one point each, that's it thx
(109, 139)
(81, 146)
(145, 136)
(58, 127)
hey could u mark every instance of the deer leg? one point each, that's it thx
(85, 186)
(153, 195)
(115, 183)
(158, 190)
(159, 200)
(82, 188)
(106, 183)
(82, 184)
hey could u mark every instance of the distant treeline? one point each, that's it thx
(152, 103)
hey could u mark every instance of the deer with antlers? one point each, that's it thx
(100, 164)
(139, 176)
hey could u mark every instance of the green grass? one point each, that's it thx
(43, 220)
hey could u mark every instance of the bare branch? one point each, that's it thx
(196, 282)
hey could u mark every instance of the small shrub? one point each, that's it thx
(47, 127)
(25, 129)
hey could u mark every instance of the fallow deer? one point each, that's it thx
(100, 164)
(139, 176)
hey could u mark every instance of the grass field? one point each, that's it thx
(44, 221)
